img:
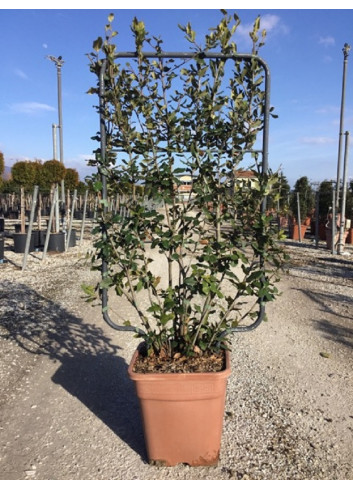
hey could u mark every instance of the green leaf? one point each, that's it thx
(97, 186)
(97, 44)
(88, 289)
(165, 318)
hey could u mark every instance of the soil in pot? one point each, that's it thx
(182, 414)
(211, 362)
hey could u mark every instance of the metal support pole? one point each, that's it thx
(54, 128)
(30, 226)
(83, 217)
(299, 218)
(334, 227)
(63, 206)
(345, 50)
(58, 63)
(344, 196)
(317, 202)
(51, 217)
(70, 220)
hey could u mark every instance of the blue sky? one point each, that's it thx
(303, 50)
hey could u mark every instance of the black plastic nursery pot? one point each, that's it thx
(39, 238)
(56, 242)
(18, 228)
(72, 241)
(2, 242)
(78, 215)
(19, 241)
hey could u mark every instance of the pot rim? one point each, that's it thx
(158, 376)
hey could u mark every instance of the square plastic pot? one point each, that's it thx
(182, 415)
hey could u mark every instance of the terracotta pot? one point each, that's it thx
(295, 231)
(349, 239)
(182, 415)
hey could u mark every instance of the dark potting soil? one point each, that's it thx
(202, 362)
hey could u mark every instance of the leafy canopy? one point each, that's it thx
(163, 119)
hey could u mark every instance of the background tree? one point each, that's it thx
(8, 187)
(2, 167)
(282, 188)
(24, 173)
(53, 171)
(306, 197)
(36, 168)
(349, 201)
(325, 198)
(81, 188)
(71, 179)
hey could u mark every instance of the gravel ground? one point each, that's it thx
(68, 410)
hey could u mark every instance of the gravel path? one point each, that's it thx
(68, 410)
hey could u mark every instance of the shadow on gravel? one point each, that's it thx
(334, 332)
(101, 383)
(91, 369)
(338, 326)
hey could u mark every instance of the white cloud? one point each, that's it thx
(80, 163)
(21, 74)
(271, 23)
(318, 140)
(45, 45)
(327, 41)
(328, 109)
(31, 108)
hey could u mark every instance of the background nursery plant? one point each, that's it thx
(164, 118)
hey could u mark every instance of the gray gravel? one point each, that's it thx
(68, 410)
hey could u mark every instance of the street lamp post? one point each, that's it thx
(54, 128)
(58, 63)
(345, 50)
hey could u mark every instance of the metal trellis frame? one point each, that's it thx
(264, 151)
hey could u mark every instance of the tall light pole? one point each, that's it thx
(345, 50)
(54, 128)
(58, 63)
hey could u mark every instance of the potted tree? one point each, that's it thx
(301, 205)
(53, 172)
(22, 174)
(325, 206)
(212, 260)
(349, 212)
